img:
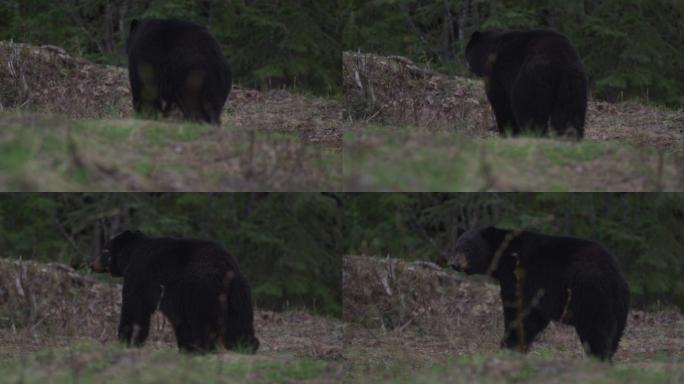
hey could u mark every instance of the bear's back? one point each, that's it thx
(545, 45)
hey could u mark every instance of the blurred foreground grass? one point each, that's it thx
(89, 362)
(540, 366)
(382, 158)
(52, 153)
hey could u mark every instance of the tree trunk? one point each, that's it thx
(448, 38)
(108, 42)
(462, 15)
(123, 15)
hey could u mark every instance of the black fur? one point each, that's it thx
(531, 77)
(177, 63)
(195, 283)
(575, 281)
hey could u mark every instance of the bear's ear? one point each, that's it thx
(475, 36)
(128, 234)
(134, 25)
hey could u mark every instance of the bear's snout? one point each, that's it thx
(459, 262)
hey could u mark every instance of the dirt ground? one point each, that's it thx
(414, 129)
(399, 320)
(62, 110)
(394, 91)
(416, 314)
(48, 80)
(50, 305)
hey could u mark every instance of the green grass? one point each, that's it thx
(408, 159)
(52, 153)
(13, 156)
(574, 154)
(509, 367)
(90, 362)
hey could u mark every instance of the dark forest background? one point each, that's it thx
(633, 49)
(269, 44)
(644, 231)
(288, 245)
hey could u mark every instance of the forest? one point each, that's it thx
(287, 244)
(643, 231)
(632, 49)
(269, 44)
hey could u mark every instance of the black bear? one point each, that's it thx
(543, 278)
(195, 283)
(177, 63)
(531, 77)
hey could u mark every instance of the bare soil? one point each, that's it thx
(268, 140)
(51, 305)
(416, 314)
(414, 129)
(396, 92)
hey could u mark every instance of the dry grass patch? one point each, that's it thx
(382, 158)
(51, 305)
(414, 314)
(394, 91)
(49, 153)
(270, 140)
(414, 129)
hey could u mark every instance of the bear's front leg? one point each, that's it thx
(503, 112)
(512, 339)
(522, 325)
(134, 325)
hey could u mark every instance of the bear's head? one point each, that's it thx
(474, 251)
(480, 52)
(115, 254)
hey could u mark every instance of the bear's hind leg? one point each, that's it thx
(596, 315)
(191, 98)
(519, 337)
(184, 337)
(597, 339)
(621, 321)
(505, 120)
(570, 110)
(532, 102)
(212, 113)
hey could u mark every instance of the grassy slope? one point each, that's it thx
(269, 140)
(62, 329)
(88, 362)
(405, 159)
(48, 153)
(419, 130)
(57, 325)
(538, 367)
(411, 323)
